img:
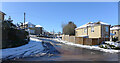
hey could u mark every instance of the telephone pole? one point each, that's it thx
(24, 20)
(53, 33)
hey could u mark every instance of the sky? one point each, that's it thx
(51, 15)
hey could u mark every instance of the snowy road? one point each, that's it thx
(72, 53)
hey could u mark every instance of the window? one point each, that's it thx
(76, 32)
(114, 32)
(85, 30)
(92, 29)
(106, 36)
(31, 26)
(106, 29)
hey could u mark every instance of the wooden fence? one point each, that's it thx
(84, 41)
(90, 41)
(68, 38)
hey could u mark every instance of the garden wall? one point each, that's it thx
(84, 41)
(68, 38)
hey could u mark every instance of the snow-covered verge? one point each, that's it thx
(88, 47)
(33, 47)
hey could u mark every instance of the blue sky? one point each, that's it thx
(51, 15)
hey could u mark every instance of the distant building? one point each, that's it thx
(93, 30)
(115, 30)
(2, 15)
(45, 32)
(38, 30)
(28, 27)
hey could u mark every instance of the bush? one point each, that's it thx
(106, 47)
(112, 46)
(101, 46)
(12, 37)
(115, 39)
(117, 48)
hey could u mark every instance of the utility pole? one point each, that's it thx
(53, 33)
(24, 20)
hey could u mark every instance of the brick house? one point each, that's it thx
(28, 27)
(93, 30)
(115, 30)
(38, 30)
(92, 33)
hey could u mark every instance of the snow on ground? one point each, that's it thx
(34, 46)
(96, 47)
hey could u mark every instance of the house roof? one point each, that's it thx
(2, 12)
(38, 26)
(92, 24)
(83, 36)
(115, 28)
(28, 23)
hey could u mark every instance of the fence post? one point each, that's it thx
(69, 38)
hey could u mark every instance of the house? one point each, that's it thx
(115, 30)
(28, 27)
(38, 30)
(93, 30)
(92, 33)
(2, 15)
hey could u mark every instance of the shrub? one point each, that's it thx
(106, 47)
(112, 46)
(12, 37)
(101, 46)
(115, 39)
(117, 48)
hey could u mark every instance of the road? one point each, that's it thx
(72, 53)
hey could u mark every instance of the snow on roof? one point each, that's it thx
(2, 12)
(104, 23)
(28, 23)
(92, 24)
(83, 36)
(38, 26)
(114, 28)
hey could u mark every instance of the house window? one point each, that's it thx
(76, 32)
(106, 36)
(85, 30)
(106, 29)
(31, 26)
(92, 29)
(114, 32)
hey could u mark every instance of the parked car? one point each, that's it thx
(116, 44)
(110, 45)
(110, 42)
(40, 35)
